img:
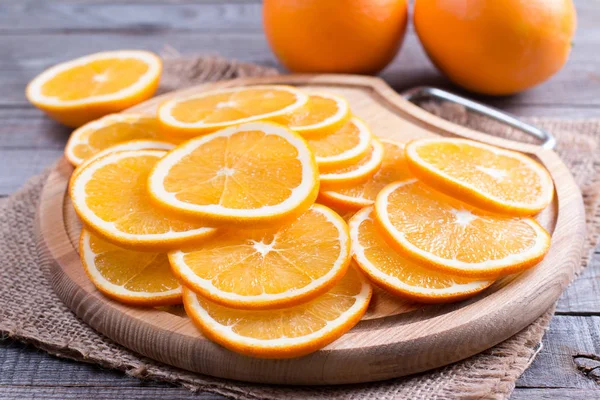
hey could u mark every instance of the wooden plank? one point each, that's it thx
(28, 372)
(152, 26)
(35, 17)
(20, 393)
(24, 365)
(554, 394)
(577, 84)
(101, 393)
(578, 303)
(582, 296)
(29, 128)
(32, 53)
(18, 165)
(554, 366)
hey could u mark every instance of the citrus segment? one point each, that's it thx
(287, 332)
(322, 114)
(485, 176)
(84, 89)
(399, 274)
(131, 277)
(255, 172)
(209, 111)
(363, 194)
(361, 171)
(108, 131)
(343, 147)
(268, 268)
(110, 196)
(454, 237)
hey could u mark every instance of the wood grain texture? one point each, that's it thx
(101, 393)
(24, 365)
(37, 17)
(31, 373)
(26, 163)
(554, 394)
(432, 337)
(30, 54)
(28, 128)
(554, 366)
(581, 297)
(35, 35)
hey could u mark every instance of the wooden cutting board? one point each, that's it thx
(395, 338)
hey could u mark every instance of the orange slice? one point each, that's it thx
(322, 114)
(287, 332)
(356, 173)
(399, 274)
(363, 194)
(110, 196)
(108, 131)
(87, 88)
(485, 176)
(209, 111)
(268, 268)
(343, 147)
(447, 234)
(255, 172)
(130, 145)
(131, 277)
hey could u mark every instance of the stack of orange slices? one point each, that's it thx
(442, 219)
(226, 221)
(224, 201)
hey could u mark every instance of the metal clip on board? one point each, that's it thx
(425, 92)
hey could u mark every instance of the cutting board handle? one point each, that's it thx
(426, 92)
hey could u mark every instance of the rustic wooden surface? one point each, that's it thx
(36, 34)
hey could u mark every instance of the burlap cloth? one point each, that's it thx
(31, 312)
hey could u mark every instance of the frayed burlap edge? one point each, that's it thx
(31, 312)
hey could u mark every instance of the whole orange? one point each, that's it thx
(346, 36)
(496, 47)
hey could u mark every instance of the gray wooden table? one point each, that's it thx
(37, 34)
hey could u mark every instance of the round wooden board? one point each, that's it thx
(395, 338)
